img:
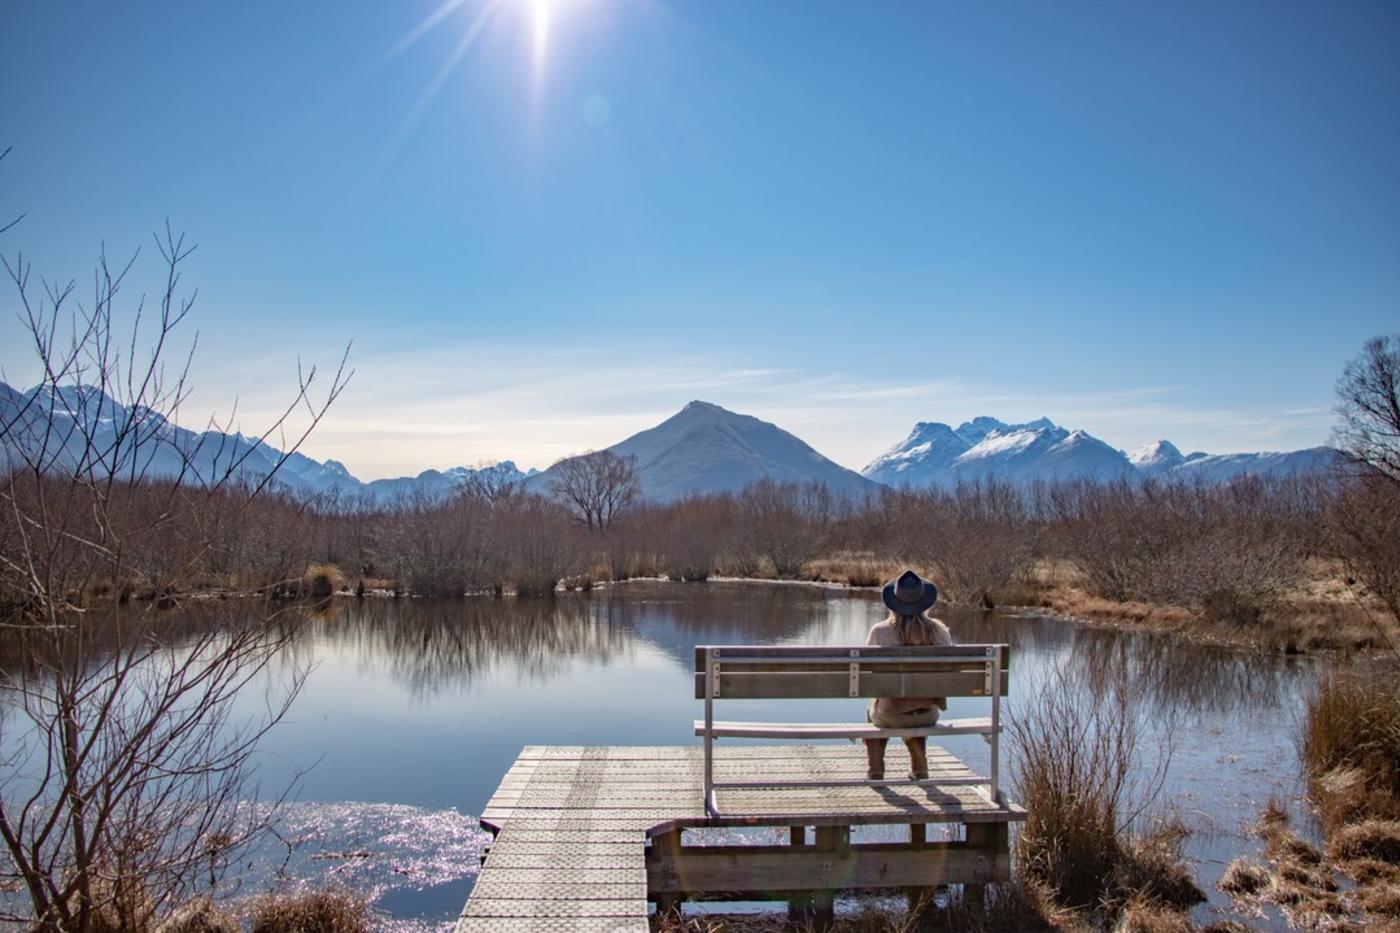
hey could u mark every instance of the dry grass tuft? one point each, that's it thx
(330, 911)
(1369, 870)
(1368, 839)
(1147, 917)
(1074, 770)
(1351, 747)
(322, 581)
(1305, 876)
(1244, 878)
(1152, 870)
(200, 915)
(1383, 900)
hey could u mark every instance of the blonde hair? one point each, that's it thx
(921, 629)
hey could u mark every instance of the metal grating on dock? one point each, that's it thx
(572, 823)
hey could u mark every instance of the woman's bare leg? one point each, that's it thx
(918, 757)
(875, 758)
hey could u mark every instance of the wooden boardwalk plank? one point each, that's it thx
(573, 822)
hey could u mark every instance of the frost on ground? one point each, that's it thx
(412, 863)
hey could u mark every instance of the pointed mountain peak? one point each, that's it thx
(697, 406)
(1161, 454)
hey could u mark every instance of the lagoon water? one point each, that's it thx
(412, 710)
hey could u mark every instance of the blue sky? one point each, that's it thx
(1144, 220)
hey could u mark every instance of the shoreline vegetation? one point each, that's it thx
(1292, 566)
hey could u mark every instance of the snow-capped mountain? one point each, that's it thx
(1156, 458)
(1162, 460)
(984, 448)
(436, 484)
(705, 448)
(53, 426)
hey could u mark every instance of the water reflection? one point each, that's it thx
(425, 703)
(436, 645)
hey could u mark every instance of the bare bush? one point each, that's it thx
(1368, 407)
(126, 772)
(598, 487)
(1081, 773)
(789, 523)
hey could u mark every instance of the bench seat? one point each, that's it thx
(837, 730)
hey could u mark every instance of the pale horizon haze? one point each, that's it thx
(545, 225)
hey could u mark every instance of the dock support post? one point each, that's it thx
(668, 845)
(818, 908)
(992, 840)
(920, 897)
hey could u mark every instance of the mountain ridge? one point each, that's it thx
(985, 448)
(703, 448)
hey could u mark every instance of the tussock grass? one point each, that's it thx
(1382, 900)
(1244, 878)
(1351, 747)
(200, 915)
(1150, 917)
(322, 581)
(328, 911)
(1377, 840)
(1226, 926)
(1368, 870)
(856, 568)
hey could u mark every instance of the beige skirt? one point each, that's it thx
(912, 719)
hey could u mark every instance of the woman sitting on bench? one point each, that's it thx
(909, 598)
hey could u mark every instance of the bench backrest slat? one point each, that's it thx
(759, 672)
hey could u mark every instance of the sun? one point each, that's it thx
(539, 18)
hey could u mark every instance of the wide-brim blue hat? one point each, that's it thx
(910, 594)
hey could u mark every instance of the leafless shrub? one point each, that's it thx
(1079, 771)
(1368, 407)
(598, 487)
(1363, 518)
(789, 523)
(126, 767)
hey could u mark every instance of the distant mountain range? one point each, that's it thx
(984, 448)
(701, 449)
(705, 448)
(47, 423)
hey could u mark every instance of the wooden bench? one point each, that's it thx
(728, 672)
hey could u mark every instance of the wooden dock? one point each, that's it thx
(587, 836)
